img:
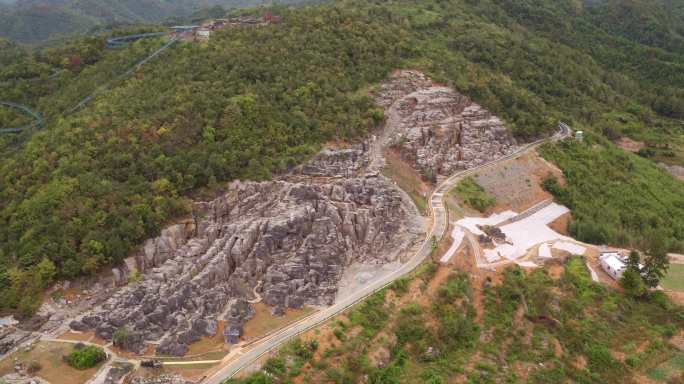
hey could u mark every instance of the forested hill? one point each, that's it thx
(34, 21)
(83, 192)
(657, 23)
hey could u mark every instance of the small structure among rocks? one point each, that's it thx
(232, 334)
(240, 312)
(494, 232)
(153, 363)
(200, 33)
(613, 263)
(117, 372)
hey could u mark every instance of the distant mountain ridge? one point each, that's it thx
(31, 21)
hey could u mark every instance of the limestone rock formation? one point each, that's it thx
(10, 337)
(337, 163)
(290, 240)
(161, 379)
(156, 251)
(437, 129)
(676, 170)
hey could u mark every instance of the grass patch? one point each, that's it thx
(577, 275)
(216, 355)
(49, 355)
(371, 315)
(474, 195)
(407, 179)
(264, 322)
(674, 280)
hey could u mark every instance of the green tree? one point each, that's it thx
(633, 283)
(122, 338)
(84, 357)
(656, 262)
(46, 272)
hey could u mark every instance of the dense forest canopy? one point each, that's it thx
(656, 23)
(83, 192)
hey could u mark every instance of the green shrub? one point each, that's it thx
(632, 283)
(33, 367)
(632, 361)
(84, 357)
(457, 330)
(275, 366)
(302, 350)
(431, 376)
(599, 357)
(372, 314)
(390, 374)
(124, 338)
(339, 334)
(577, 276)
(400, 286)
(410, 327)
(457, 286)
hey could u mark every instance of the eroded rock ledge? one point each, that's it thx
(438, 130)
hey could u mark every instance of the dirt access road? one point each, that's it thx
(439, 225)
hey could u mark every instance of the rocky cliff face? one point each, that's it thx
(437, 129)
(287, 242)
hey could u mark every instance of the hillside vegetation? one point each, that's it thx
(617, 197)
(532, 328)
(82, 193)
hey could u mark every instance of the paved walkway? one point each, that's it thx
(165, 363)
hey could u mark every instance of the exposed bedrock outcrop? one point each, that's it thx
(290, 240)
(437, 129)
(338, 163)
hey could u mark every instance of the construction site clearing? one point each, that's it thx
(525, 226)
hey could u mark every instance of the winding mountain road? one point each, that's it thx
(37, 117)
(439, 226)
